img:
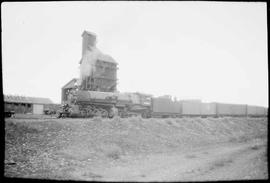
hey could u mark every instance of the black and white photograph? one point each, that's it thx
(135, 91)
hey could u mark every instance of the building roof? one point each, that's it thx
(88, 32)
(103, 57)
(71, 83)
(106, 58)
(29, 100)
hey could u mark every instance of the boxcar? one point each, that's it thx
(239, 110)
(191, 107)
(208, 109)
(256, 111)
(231, 109)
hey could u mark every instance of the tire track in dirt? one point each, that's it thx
(249, 163)
(236, 164)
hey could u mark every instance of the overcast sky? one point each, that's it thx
(213, 51)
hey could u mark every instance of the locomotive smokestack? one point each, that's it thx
(89, 40)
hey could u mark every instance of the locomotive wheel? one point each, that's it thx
(104, 113)
(110, 114)
(58, 115)
(83, 113)
(93, 110)
(96, 112)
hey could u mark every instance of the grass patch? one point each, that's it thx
(221, 163)
(92, 175)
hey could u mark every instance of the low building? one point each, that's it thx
(23, 105)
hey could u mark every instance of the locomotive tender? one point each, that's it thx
(95, 94)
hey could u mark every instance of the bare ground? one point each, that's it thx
(227, 161)
(136, 149)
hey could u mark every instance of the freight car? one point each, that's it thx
(231, 109)
(191, 107)
(256, 111)
(209, 109)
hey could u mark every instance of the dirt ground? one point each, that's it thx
(135, 149)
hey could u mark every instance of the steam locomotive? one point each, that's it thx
(82, 103)
(95, 92)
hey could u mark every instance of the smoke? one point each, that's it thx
(88, 62)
